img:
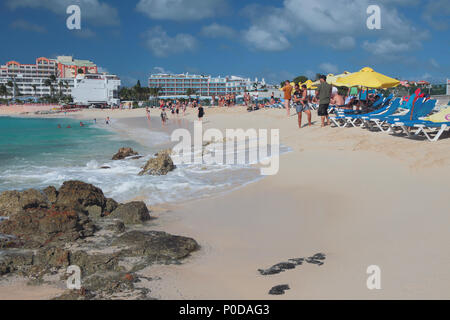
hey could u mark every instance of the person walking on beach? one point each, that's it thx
(107, 120)
(287, 89)
(147, 111)
(324, 95)
(201, 112)
(302, 104)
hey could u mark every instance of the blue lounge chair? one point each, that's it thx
(374, 122)
(420, 110)
(343, 119)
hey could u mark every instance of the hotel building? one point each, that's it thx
(207, 86)
(29, 79)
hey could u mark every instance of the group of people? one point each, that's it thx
(227, 100)
(326, 96)
(176, 107)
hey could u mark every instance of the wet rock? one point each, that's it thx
(52, 257)
(135, 212)
(9, 203)
(12, 202)
(124, 153)
(161, 165)
(92, 263)
(110, 206)
(79, 195)
(15, 260)
(156, 246)
(119, 227)
(279, 290)
(51, 194)
(279, 267)
(105, 167)
(95, 212)
(36, 228)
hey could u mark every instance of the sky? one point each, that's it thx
(275, 40)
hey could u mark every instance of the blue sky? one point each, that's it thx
(276, 40)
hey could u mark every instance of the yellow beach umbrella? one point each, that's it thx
(332, 79)
(368, 78)
(310, 85)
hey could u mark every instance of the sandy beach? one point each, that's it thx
(362, 198)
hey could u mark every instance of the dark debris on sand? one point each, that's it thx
(316, 259)
(279, 290)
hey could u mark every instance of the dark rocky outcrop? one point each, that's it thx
(12, 202)
(156, 245)
(161, 165)
(36, 228)
(124, 153)
(47, 231)
(79, 195)
(135, 212)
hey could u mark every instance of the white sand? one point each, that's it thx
(360, 197)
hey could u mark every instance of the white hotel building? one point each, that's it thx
(78, 78)
(207, 86)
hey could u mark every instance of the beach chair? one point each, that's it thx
(385, 105)
(422, 109)
(380, 122)
(432, 127)
(346, 117)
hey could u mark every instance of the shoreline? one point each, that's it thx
(362, 198)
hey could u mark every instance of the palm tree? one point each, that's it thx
(3, 90)
(34, 89)
(48, 83)
(60, 85)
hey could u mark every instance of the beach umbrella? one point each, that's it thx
(310, 85)
(368, 78)
(332, 79)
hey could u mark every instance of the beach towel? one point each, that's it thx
(441, 116)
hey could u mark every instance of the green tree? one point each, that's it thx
(301, 79)
(34, 89)
(48, 83)
(3, 90)
(190, 92)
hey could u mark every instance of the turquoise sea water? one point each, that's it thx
(39, 141)
(30, 147)
(35, 153)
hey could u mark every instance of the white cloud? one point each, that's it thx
(27, 26)
(434, 63)
(328, 68)
(265, 40)
(95, 11)
(160, 70)
(180, 10)
(162, 45)
(437, 13)
(340, 22)
(387, 46)
(344, 43)
(217, 31)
